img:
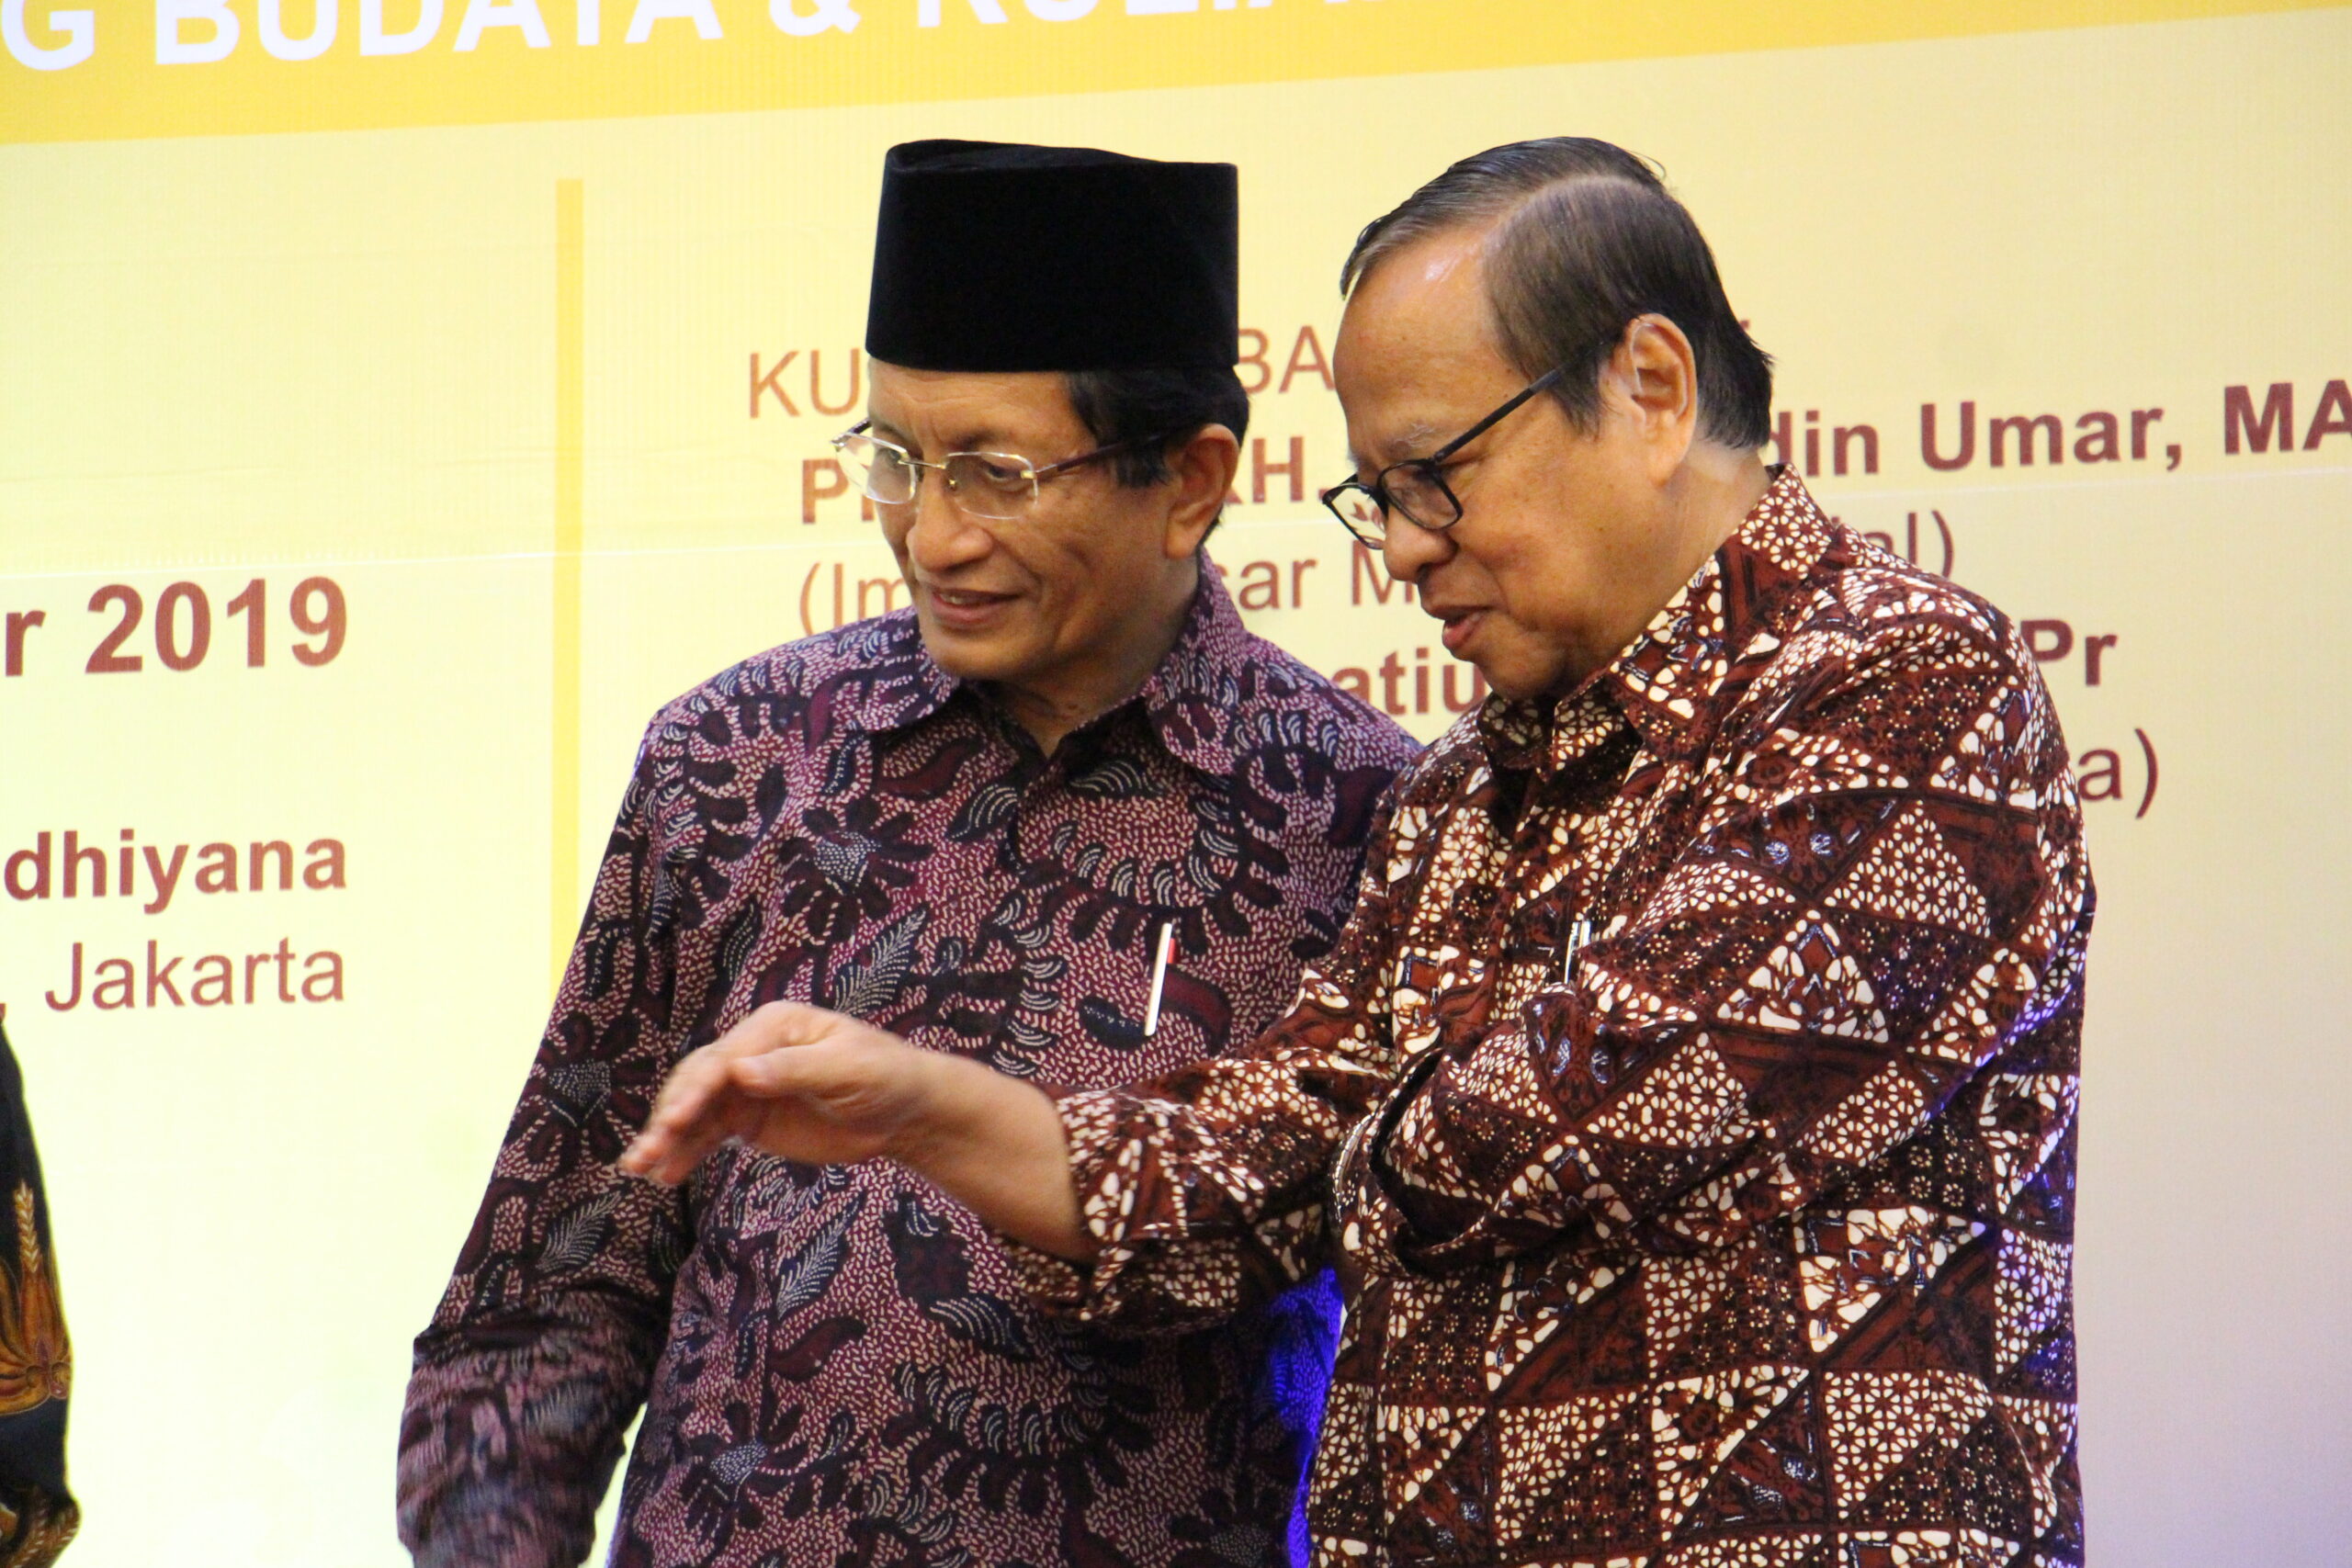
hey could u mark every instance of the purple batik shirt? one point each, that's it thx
(837, 1365)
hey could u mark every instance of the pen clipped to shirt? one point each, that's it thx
(1579, 932)
(1166, 947)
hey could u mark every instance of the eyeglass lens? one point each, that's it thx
(1357, 512)
(882, 473)
(1410, 489)
(1417, 491)
(986, 484)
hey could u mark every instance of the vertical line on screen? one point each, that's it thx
(563, 716)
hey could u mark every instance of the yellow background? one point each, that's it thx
(338, 346)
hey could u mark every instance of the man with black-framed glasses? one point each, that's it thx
(1691, 1099)
(1415, 488)
(1065, 816)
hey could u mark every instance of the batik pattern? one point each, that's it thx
(1740, 1233)
(37, 1514)
(838, 1366)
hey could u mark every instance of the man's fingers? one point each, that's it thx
(776, 1025)
(686, 1097)
(702, 1104)
(666, 1159)
(727, 1088)
(669, 1152)
(772, 1075)
(687, 1120)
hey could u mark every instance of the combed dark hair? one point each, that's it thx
(1588, 239)
(1132, 405)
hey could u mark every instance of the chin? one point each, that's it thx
(962, 661)
(1523, 669)
(1514, 683)
(970, 658)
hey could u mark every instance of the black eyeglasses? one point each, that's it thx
(1416, 486)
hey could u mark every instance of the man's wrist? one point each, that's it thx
(948, 1091)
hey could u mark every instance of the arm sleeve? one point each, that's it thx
(1882, 890)
(1206, 1191)
(544, 1343)
(37, 1514)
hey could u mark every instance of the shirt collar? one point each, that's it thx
(1661, 681)
(1197, 693)
(887, 680)
(1192, 695)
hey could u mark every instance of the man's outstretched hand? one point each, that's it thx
(809, 1085)
(792, 1080)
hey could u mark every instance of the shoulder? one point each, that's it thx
(1240, 711)
(1890, 600)
(1278, 699)
(1932, 679)
(725, 751)
(1862, 614)
(865, 674)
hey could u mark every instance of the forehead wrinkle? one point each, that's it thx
(1410, 442)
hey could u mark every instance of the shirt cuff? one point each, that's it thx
(1093, 1125)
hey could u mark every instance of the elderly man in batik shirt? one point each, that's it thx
(1691, 1099)
(1065, 818)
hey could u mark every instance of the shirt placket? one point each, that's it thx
(1552, 888)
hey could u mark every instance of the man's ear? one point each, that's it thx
(1202, 470)
(1655, 381)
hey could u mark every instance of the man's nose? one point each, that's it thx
(944, 536)
(1409, 549)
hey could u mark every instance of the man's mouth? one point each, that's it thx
(1459, 622)
(964, 608)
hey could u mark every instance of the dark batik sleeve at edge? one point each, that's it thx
(1719, 1112)
(545, 1342)
(37, 1516)
(1204, 1192)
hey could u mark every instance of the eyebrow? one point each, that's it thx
(1415, 439)
(983, 438)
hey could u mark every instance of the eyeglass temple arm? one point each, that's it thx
(1036, 473)
(1544, 383)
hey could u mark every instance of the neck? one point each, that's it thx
(1703, 505)
(1050, 709)
(1708, 500)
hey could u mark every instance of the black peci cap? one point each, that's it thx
(998, 256)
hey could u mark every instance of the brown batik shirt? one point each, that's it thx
(837, 1365)
(1737, 1231)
